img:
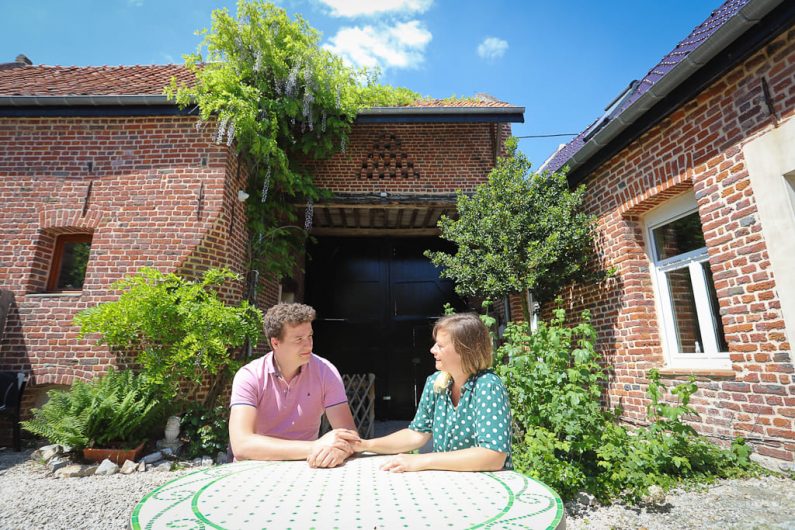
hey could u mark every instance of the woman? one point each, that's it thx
(464, 407)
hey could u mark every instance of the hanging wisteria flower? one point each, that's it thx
(267, 182)
(219, 136)
(310, 210)
(323, 121)
(289, 87)
(230, 134)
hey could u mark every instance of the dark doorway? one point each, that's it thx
(377, 301)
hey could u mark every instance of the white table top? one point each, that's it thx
(356, 495)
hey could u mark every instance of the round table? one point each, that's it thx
(356, 495)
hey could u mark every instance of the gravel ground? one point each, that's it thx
(30, 499)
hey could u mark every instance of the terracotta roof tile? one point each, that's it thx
(41, 80)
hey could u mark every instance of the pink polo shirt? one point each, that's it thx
(290, 412)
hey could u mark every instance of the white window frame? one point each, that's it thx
(710, 357)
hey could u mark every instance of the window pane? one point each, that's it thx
(73, 265)
(717, 323)
(677, 237)
(688, 333)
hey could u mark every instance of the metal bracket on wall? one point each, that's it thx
(769, 100)
(200, 201)
(86, 198)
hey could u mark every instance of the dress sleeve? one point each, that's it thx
(423, 419)
(334, 388)
(492, 415)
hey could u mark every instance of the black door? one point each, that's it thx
(377, 300)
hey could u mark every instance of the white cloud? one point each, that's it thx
(387, 46)
(492, 48)
(135, 3)
(358, 8)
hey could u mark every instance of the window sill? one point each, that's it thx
(716, 373)
(64, 294)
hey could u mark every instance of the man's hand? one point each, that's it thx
(331, 449)
(402, 463)
(327, 456)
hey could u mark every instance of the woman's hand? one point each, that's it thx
(402, 463)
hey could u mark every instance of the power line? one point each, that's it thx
(547, 135)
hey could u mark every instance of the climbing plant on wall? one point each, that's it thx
(278, 97)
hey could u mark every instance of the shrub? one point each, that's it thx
(564, 437)
(176, 328)
(204, 430)
(117, 409)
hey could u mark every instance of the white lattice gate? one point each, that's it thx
(360, 389)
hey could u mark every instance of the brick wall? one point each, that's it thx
(698, 147)
(409, 158)
(135, 184)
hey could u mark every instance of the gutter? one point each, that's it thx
(74, 101)
(747, 17)
(441, 115)
(142, 104)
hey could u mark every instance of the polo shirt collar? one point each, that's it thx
(271, 368)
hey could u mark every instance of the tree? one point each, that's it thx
(279, 98)
(518, 231)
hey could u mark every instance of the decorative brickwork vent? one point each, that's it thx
(388, 160)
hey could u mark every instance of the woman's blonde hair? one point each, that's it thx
(471, 341)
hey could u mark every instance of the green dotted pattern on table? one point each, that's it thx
(357, 495)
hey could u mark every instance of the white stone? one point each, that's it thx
(128, 467)
(221, 458)
(75, 470)
(656, 495)
(162, 466)
(207, 461)
(57, 462)
(107, 468)
(141, 466)
(49, 451)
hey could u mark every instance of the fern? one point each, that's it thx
(118, 408)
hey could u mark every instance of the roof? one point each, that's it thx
(18, 79)
(710, 37)
(28, 85)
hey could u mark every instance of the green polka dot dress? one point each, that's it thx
(481, 419)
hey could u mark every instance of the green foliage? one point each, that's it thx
(564, 437)
(117, 409)
(281, 99)
(176, 328)
(204, 430)
(517, 231)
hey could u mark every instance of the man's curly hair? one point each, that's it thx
(281, 314)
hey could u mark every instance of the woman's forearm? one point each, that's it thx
(470, 459)
(401, 441)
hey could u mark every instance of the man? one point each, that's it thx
(278, 400)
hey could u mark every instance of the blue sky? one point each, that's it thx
(562, 61)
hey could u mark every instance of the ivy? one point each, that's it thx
(274, 94)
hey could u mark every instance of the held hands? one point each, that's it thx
(331, 449)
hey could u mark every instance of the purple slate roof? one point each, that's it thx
(715, 20)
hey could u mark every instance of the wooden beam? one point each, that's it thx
(375, 232)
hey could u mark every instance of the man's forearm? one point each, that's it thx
(259, 447)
